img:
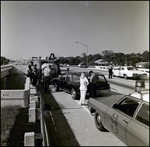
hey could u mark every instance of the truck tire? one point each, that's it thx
(98, 122)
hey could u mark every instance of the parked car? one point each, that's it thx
(82, 65)
(128, 72)
(126, 116)
(144, 70)
(70, 82)
(64, 67)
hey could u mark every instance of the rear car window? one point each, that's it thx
(101, 78)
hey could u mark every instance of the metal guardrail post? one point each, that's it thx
(42, 121)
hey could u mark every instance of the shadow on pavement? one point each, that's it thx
(58, 128)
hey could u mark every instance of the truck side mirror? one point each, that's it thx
(115, 106)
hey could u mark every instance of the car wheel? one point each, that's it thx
(98, 122)
(56, 87)
(125, 76)
(73, 94)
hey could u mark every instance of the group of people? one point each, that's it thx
(36, 74)
(84, 82)
(33, 72)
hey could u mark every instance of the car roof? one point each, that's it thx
(141, 95)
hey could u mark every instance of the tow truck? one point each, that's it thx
(43, 62)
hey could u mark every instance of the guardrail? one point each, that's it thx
(5, 70)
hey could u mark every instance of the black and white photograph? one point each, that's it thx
(74, 73)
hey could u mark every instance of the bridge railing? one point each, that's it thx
(5, 70)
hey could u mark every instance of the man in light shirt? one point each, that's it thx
(47, 76)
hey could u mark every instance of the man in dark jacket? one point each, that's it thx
(93, 80)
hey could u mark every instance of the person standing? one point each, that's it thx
(35, 75)
(110, 72)
(83, 88)
(47, 76)
(93, 80)
(29, 72)
(32, 65)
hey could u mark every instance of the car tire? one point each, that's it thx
(98, 122)
(125, 76)
(73, 94)
(56, 87)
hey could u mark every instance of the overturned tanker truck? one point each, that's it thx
(52, 60)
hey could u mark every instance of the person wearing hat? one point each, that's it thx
(93, 80)
(47, 76)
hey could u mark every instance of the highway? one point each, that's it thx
(69, 124)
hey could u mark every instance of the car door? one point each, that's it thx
(121, 71)
(116, 71)
(68, 82)
(118, 118)
(62, 82)
(137, 131)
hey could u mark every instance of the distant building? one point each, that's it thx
(142, 65)
(100, 62)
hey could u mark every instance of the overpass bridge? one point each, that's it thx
(15, 86)
(17, 90)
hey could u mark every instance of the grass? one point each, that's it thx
(14, 124)
(8, 117)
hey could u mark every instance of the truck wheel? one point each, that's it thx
(73, 94)
(56, 87)
(125, 76)
(98, 122)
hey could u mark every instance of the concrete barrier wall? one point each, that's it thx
(16, 97)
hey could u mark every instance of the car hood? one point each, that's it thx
(110, 100)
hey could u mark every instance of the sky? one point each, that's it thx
(38, 28)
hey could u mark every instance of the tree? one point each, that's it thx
(97, 56)
(145, 56)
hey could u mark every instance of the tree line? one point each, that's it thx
(117, 59)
